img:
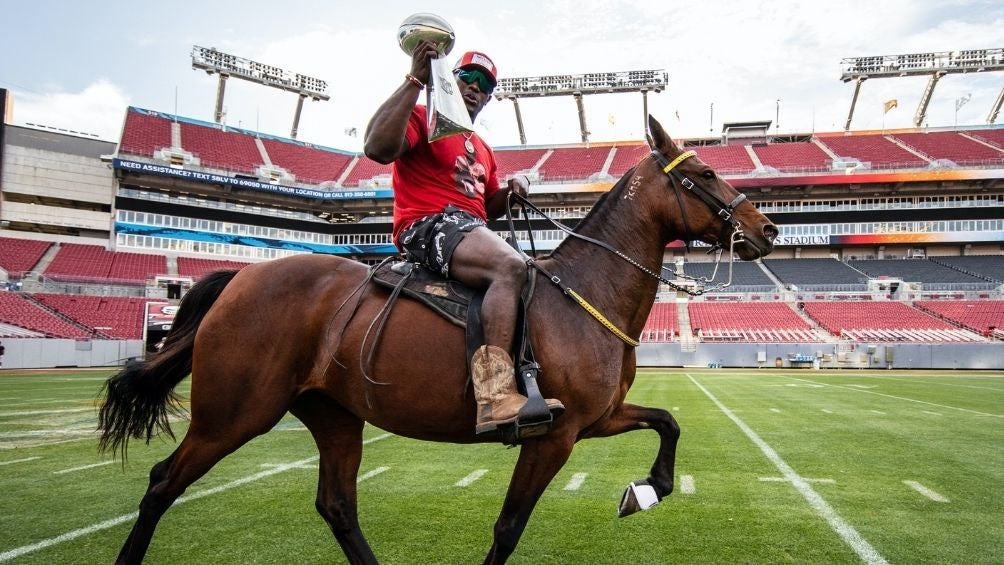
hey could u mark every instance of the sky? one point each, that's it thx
(77, 65)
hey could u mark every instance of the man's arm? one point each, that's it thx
(385, 134)
(495, 206)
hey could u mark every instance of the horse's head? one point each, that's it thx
(710, 209)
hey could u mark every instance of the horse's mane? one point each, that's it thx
(598, 207)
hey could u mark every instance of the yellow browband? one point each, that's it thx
(683, 157)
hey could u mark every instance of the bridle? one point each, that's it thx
(724, 211)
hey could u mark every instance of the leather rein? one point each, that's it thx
(725, 211)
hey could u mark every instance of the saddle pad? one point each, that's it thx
(448, 298)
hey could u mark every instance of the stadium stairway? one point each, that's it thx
(47, 258)
(688, 342)
(777, 282)
(909, 149)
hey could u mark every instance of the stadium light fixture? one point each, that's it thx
(577, 86)
(935, 65)
(212, 61)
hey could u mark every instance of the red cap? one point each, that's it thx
(478, 60)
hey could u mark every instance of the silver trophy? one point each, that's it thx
(447, 114)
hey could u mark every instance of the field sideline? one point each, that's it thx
(773, 467)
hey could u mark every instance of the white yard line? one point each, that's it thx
(903, 398)
(9, 413)
(2, 463)
(72, 535)
(687, 485)
(925, 491)
(575, 483)
(469, 479)
(64, 471)
(784, 480)
(851, 537)
(371, 474)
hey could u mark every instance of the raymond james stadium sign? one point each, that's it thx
(197, 176)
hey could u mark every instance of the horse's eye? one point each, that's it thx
(708, 174)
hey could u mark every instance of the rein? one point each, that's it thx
(722, 210)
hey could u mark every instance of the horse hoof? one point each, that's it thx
(638, 496)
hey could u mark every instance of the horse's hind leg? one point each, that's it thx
(202, 447)
(168, 480)
(338, 435)
(632, 417)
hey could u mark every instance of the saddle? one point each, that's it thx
(461, 306)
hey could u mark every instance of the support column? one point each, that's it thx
(854, 101)
(519, 120)
(582, 117)
(644, 110)
(296, 115)
(992, 116)
(220, 90)
(918, 118)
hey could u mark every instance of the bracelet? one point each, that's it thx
(413, 80)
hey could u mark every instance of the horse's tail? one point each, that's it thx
(139, 399)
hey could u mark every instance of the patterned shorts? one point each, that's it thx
(431, 240)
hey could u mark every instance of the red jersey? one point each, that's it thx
(431, 175)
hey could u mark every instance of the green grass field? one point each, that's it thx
(773, 467)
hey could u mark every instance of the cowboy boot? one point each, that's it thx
(495, 389)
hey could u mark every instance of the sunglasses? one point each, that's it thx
(469, 76)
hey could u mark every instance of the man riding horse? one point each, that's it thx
(444, 193)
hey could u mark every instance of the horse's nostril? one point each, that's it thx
(770, 232)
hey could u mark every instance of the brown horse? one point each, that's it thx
(287, 335)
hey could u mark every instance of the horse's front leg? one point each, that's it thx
(539, 461)
(642, 495)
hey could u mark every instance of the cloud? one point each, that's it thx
(98, 109)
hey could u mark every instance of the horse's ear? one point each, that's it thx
(658, 138)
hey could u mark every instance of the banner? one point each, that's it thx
(213, 178)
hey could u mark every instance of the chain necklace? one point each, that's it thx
(468, 144)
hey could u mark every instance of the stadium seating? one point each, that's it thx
(914, 270)
(952, 146)
(144, 133)
(989, 267)
(726, 159)
(626, 157)
(197, 268)
(573, 163)
(231, 151)
(109, 316)
(92, 263)
(17, 310)
(980, 316)
(18, 256)
(992, 136)
(817, 274)
(755, 322)
(512, 161)
(879, 321)
(749, 276)
(309, 164)
(793, 157)
(875, 149)
(364, 170)
(662, 324)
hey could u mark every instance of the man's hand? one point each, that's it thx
(421, 67)
(520, 185)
